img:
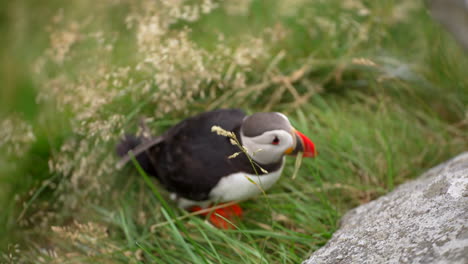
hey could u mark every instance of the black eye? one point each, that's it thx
(275, 141)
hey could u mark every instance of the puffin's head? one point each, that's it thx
(270, 136)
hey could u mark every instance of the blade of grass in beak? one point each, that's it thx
(297, 165)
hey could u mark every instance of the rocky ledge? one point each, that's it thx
(423, 221)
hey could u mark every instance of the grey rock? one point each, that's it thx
(422, 221)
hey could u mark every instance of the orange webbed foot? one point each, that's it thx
(222, 217)
(225, 217)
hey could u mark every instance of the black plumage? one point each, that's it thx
(189, 159)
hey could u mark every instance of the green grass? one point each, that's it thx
(378, 87)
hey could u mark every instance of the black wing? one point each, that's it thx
(192, 159)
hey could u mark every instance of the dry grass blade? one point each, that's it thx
(297, 164)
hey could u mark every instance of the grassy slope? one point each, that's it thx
(376, 123)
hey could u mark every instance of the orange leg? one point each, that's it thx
(218, 216)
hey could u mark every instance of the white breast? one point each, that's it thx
(241, 186)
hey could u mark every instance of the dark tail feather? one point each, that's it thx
(130, 142)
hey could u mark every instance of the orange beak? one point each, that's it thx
(306, 144)
(303, 144)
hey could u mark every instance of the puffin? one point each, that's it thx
(218, 157)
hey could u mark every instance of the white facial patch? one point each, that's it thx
(261, 149)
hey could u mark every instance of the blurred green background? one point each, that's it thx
(377, 85)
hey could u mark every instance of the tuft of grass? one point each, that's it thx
(378, 87)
